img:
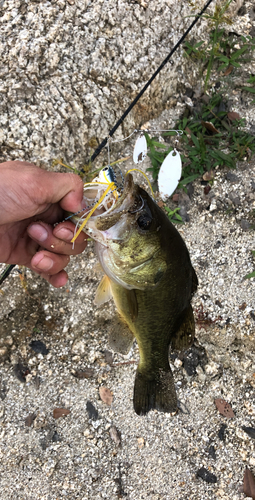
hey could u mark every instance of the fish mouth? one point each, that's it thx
(115, 223)
(119, 231)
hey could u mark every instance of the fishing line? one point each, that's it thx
(146, 177)
(125, 138)
(178, 132)
(142, 130)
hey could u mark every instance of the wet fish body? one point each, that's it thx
(150, 276)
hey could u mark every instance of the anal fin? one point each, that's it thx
(184, 337)
(120, 338)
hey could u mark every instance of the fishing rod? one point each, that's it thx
(98, 150)
(6, 272)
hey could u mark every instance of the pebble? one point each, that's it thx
(140, 442)
(85, 373)
(115, 435)
(87, 434)
(92, 411)
(245, 225)
(8, 340)
(211, 452)
(250, 431)
(3, 351)
(222, 432)
(78, 347)
(232, 177)
(29, 419)
(243, 454)
(39, 347)
(213, 206)
(177, 363)
(206, 475)
(211, 368)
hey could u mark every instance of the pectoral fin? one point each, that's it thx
(184, 337)
(103, 293)
(126, 303)
(120, 337)
(132, 304)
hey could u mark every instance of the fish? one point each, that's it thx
(149, 274)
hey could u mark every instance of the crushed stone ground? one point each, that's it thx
(75, 457)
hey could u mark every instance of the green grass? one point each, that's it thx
(223, 50)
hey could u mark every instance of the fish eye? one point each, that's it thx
(144, 221)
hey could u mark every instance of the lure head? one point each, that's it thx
(110, 175)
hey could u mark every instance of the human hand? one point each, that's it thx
(32, 200)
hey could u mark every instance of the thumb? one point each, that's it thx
(65, 189)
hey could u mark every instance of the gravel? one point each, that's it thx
(100, 451)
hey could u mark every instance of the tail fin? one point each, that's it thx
(157, 393)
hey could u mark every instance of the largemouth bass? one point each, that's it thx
(151, 279)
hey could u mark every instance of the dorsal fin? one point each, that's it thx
(184, 337)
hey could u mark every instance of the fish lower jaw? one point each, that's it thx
(103, 237)
(97, 236)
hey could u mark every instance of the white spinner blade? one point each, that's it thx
(140, 149)
(169, 174)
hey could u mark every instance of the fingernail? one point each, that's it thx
(38, 232)
(64, 234)
(42, 263)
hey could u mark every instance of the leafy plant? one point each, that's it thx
(173, 215)
(223, 50)
(251, 89)
(232, 55)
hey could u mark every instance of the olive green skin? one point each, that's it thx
(160, 307)
(157, 307)
(152, 282)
